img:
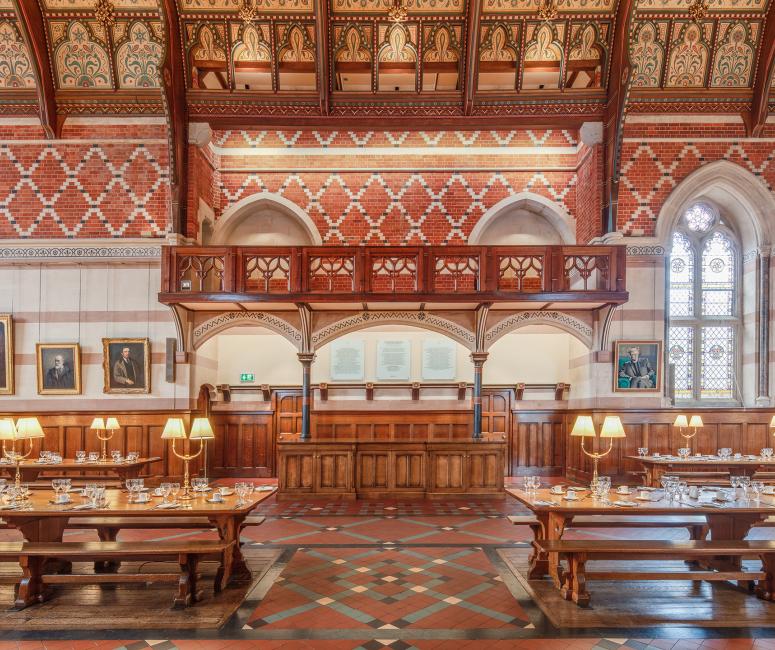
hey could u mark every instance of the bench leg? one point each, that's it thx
(188, 591)
(107, 534)
(30, 589)
(224, 570)
(574, 585)
(698, 532)
(539, 561)
(766, 588)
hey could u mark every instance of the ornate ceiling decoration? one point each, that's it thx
(348, 58)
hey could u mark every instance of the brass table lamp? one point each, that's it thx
(695, 422)
(25, 429)
(584, 428)
(176, 430)
(110, 426)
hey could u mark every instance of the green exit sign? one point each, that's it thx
(247, 378)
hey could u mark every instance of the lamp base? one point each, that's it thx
(186, 497)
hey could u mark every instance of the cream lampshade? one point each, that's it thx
(174, 429)
(681, 422)
(772, 424)
(695, 421)
(97, 424)
(583, 427)
(7, 429)
(28, 428)
(112, 424)
(201, 429)
(612, 427)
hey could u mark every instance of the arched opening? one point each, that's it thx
(265, 220)
(524, 219)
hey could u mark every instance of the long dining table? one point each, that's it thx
(727, 522)
(656, 466)
(40, 520)
(30, 470)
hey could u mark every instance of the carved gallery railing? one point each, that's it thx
(356, 273)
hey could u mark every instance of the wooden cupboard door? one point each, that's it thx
(333, 471)
(297, 471)
(373, 470)
(409, 470)
(485, 470)
(448, 471)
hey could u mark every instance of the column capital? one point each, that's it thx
(306, 357)
(479, 357)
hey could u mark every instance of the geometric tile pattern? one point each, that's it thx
(427, 588)
(395, 208)
(83, 190)
(365, 139)
(362, 508)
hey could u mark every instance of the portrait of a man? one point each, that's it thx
(59, 368)
(6, 355)
(127, 365)
(637, 366)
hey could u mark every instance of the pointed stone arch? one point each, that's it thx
(249, 207)
(552, 212)
(209, 328)
(743, 197)
(561, 320)
(421, 320)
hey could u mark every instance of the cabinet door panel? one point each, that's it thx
(448, 470)
(334, 471)
(409, 470)
(297, 472)
(373, 470)
(485, 470)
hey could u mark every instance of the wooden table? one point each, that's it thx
(30, 469)
(43, 521)
(656, 466)
(730, 522)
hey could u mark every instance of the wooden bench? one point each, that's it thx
(32, 557)
(108, 527)
(702, 478)
(579, 552)
(695, 524)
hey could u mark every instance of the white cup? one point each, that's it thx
(63, 498)
(738, 455)
(694, 491)
(143, 497)
(217, 496)
(571, 495)
(622, 489)
(223, 490)
(656, 454)
(557, 489)
(645, 494)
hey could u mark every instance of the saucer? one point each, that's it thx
(214, 501)
(226, 494)
(643, 498)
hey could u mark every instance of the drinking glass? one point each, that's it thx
(132, 456)
(527, 482)
(94, 456)
(80, 456)
(3, 484)
(130, 487)
(241, 490)
(684, 452)
(535, 484)
(745, 483)
(643, 451)
(174, 491)
(166, 489)
(766, 452)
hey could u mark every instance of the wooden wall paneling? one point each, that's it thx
(496, 413)
(287, 408)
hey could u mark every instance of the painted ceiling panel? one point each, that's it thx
(15, 67)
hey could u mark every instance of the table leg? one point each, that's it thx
(554, 530)
(125, 472)
(107, 534)
(43, 529)
(234, 565)
(539, 563)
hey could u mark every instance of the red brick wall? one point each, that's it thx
(656, 157)
(109, 180)
(589, 194)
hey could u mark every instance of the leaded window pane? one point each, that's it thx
(718, 273)
(680, 352)
(718, 363)
(699, 218)
(681, 277)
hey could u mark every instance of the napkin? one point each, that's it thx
(626, 504)
(541, 502)
(83, 506)
(10, 506)
(264, 488)
(167, 506)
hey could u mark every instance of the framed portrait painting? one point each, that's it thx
(637, 366)
(6, 354)
(59, 368)
(127, 365)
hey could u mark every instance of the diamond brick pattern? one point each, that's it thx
(398, 207)
(83, 190)
(396, 139)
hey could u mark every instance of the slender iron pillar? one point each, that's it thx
(306, 359)
(763, 342)
(478, 358)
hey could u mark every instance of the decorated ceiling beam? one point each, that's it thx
(33, 28)
(321, 37)
(173, 83)
(757, 116)
(619, 79)
(473, 26)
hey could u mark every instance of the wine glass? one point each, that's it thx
(174, 491)
(166, 489)
(745, 483)
(643, 451)
(757, 487)
(80, 456)
(241, 490)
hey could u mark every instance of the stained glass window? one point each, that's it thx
(702, 308)
(718, 275)
(681, 276)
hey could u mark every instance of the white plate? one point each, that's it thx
(213, 501)
(643, 499)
